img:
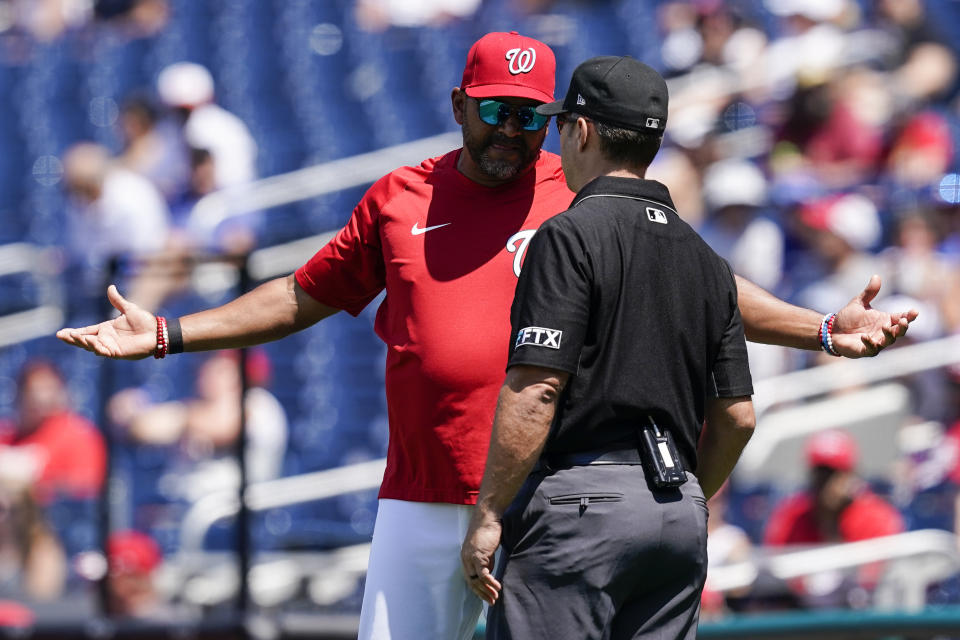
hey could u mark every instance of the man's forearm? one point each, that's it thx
(525, 409)
(729, 425)
(770, 320)
(271, 311)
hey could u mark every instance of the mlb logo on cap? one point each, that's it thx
(619, 91)
(509, 65)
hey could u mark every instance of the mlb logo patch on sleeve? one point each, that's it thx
(538, 337)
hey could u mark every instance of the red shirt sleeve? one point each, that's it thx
(348, 272)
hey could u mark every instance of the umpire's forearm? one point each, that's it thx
(525, 409)
(273, 310)
(770, 320)
(729, 425)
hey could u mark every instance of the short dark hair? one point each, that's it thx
(625, 145)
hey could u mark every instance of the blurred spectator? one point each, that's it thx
(835, 125)
(206, 426)
(921, 153)
(924, 484)
(49, 453)
(114, 211)
(917, 270)
(839, 229)
(47, 20)
(923, 66)
(133, 558)
(675, 168)
(188, 88)
(378, 15)
(837, 506)
(152, 147)
(235, 235)
(735, 193)
(50, 450)
(33, 563)
(810, 46)
(135, 18)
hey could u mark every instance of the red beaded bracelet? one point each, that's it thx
(162, 340)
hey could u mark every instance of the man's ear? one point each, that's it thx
(583, 133)
(458, 100)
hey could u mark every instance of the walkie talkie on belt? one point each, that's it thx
(660, 456)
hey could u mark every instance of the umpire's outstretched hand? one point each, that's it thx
(860, 330)
(130, 336)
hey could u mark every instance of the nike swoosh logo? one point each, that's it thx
(418, 231)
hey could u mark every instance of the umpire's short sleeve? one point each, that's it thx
(551, 306)
(731, 368)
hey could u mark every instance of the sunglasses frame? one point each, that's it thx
(504, 111)
(564, 117)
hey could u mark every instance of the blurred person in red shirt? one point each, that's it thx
(50, 452)
(133, 557)
(921, 151)
(834, 127)
(837, 506)
(50, 448)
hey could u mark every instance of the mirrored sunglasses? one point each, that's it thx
(494, 112)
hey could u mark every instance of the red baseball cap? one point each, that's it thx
(509, 65)
(132, 552)
(832, 448)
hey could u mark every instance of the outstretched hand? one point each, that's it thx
(130, 336)
(860, 330)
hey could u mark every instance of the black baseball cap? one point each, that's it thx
(617, 90)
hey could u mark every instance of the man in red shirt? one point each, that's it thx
(50, 451)
(837, 506)
(446, 240)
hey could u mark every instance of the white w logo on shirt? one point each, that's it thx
(523, 238)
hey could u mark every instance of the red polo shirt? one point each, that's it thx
(448, 252)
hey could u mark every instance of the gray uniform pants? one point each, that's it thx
(590, 552)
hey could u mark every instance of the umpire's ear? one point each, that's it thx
(458, 99)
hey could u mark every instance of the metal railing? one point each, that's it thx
(889, 365)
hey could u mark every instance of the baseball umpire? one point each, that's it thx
(626, 337)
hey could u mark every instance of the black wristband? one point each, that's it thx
(175, 334)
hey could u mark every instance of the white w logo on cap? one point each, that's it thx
(521, 61)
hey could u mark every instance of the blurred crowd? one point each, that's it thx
(811, 142)
(813, 149)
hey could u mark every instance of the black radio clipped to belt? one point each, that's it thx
(660, 456)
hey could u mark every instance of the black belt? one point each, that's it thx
(552, 461)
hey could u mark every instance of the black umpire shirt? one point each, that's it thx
(626, 297)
